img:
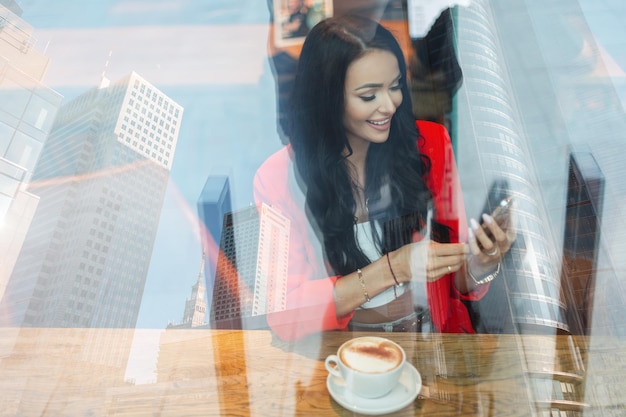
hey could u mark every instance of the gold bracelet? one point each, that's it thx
(362, 281)
(486, 279)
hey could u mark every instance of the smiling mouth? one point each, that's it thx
(379, 123)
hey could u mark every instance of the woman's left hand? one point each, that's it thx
(490, 241)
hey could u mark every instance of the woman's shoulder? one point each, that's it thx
(432, 130)
(429, 126)
(433, 140)
(277, 164)
(273, 179)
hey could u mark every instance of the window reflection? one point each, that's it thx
(127, 203)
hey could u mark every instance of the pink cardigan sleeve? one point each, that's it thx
(310, 291)
(448, 313)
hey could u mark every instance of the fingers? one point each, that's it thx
(495, 228)
(511, 231)
(473, 243)
(483, 240)
(448, 249)
(480, 243)
(431, 260)
(445, 259)
(491, 240)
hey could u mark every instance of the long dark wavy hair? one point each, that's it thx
(398, 197)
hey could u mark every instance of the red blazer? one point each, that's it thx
(310, 299)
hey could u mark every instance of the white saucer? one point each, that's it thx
(402, 395)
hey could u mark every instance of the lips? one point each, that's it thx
(380, 124)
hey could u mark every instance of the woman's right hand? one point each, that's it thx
(432, 260)
(428, 261)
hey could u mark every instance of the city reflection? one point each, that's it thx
(137, 273)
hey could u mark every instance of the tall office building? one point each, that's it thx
(213, 204)
(251, 277)
(270, 284)
(492, 146)
(548, 91)
(576, 121)
(101, 181)
(566, 87)
(27, 111)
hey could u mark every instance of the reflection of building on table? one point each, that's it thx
(251, 276)
(224, 373)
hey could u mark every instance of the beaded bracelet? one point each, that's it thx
(391, 269)
(395, 292)
(486, 279)
(362, 281)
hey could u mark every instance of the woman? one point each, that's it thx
(358, 192)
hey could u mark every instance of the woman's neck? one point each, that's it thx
(356, 170)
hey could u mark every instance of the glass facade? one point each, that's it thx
(135, 141)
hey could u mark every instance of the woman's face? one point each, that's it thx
(372, 95)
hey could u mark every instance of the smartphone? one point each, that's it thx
(502, 209)
(499, 215)
(498, 203)
(499, 200)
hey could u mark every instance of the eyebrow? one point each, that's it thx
(376, 85)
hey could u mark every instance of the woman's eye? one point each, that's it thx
(368, 98)
(395, 87)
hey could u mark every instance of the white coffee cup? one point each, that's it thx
(370, 366)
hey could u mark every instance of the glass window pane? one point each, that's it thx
(6, 134)
(24, 151)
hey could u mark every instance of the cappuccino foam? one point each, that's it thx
(371, 355)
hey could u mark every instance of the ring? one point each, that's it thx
(493, 252)
(449, 269)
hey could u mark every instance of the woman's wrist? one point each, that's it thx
(393, 274)
(399, 266)
(481, 274)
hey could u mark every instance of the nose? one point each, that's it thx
(388, 103)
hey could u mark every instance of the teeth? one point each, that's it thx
(379, 123)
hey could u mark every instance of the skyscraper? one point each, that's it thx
(270, 284)
(538, 93)
(27, 111)
(493, 147)
(251, 277)
(101, 181)
(567, 87)
(213, 204)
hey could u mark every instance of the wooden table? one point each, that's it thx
(82, 372)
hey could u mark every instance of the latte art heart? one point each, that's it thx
(371, 356)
